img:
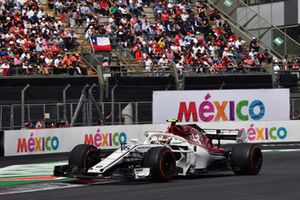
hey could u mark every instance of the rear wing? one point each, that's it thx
(240, 136)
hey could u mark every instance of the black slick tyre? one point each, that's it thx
(246, 159)
(83, 156)
(162, 163)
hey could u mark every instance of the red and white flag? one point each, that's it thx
(100, 43)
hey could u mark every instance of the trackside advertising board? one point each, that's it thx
(263, 131)
(45, 141)
(57, 140)
(221, 105)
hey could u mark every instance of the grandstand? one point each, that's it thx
(47, 61)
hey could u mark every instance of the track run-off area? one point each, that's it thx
(29, 178)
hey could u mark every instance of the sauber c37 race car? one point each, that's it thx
(181, 151)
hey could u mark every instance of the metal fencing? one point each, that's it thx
(123, 113)
(295, 106)
(52, 114)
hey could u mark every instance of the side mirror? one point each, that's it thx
(134, 141)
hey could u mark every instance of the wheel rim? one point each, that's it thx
(256, 160)
(167, 165)
(89, 159)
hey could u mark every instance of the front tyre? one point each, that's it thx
(162, 163)
(246, 159)
(84, 156)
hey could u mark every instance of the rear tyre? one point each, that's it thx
(246, 159)
(162, 163)
(84, 156)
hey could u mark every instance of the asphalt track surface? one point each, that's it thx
(279, 179)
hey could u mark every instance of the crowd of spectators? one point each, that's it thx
(292, 63)
(44, 124)
(295, 115)
(190, 36)
(33, 41)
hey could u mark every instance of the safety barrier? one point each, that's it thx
(1, 143)
(59, 140)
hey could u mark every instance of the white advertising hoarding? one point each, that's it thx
(57, 140)
(45, 141)
(262, 131)
(221, 105)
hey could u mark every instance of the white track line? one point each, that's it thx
(280, 150)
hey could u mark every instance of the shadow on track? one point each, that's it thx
(145, 181)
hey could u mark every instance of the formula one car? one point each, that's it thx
(181, 151)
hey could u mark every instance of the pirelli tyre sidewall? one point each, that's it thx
(162, 163)
(246, 159)
(83, 156)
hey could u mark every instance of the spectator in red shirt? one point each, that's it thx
(138, 55)
(67, 62)
(104, 7)
(165, 17)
